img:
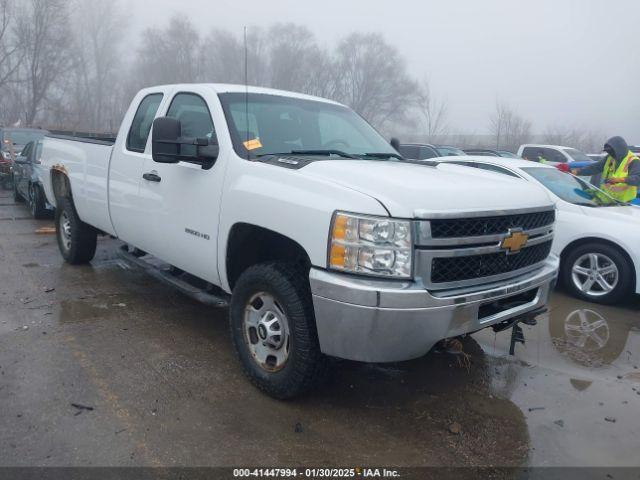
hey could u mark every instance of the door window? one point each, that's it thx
(552, 155)
(142, 121)
(195, 119)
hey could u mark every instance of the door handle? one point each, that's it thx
(152, 177)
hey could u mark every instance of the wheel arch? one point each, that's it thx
(249, 244)
(60, 184)
(586, 240)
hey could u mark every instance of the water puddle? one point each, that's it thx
(576, 380)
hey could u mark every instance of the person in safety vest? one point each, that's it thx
(620, 170)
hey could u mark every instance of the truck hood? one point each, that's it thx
(412, 190)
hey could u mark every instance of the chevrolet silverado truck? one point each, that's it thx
(293, 211)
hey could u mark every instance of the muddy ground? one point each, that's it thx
(103, 365)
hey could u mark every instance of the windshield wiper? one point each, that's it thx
(324, 153)
(340, 153)
(382, 155)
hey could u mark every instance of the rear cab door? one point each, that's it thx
(128, 206)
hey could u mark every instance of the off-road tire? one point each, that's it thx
(37, 203)
(83, 237)
(625, 273)
(306, 366)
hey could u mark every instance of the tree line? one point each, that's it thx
(65, 65)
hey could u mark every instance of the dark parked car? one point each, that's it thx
(27, 183)
(418, 151)
(12, 141)
(487, 152)
(507, 154)
(482, 152)
(449, 151)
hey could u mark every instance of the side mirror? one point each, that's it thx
(164, 140)
(169, 146)
(395, 143)
(20, 161)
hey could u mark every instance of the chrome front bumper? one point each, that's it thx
(385, 321)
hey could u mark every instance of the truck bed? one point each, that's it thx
(85, 160)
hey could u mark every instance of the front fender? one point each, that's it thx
(287, 202)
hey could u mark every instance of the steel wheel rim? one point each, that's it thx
(595, 274)
(65, 231)
(266, 330)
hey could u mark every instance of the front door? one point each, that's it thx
(183, 198)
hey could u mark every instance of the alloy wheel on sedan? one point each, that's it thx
(595, 274)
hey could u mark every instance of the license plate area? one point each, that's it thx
(495, 307)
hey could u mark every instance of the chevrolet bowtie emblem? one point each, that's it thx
(514, 241)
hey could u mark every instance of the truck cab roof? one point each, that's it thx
(236, 88)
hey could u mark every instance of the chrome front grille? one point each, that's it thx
(471, 227)
(460, 252)
(454, 269)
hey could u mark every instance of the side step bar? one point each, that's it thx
(163, 273)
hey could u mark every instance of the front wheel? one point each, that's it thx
(77, 240)
(598, 273)
(273, 330)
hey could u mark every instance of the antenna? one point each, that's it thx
(246, 91)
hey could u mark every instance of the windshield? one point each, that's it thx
(577, 155)
(506, 154)
(21, 137)
(272, 124)
(571, 189)
(449, 151)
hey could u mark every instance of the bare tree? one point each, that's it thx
(373, 78)
(98, 37)
(432, 112)
(508, 129)
(225, 59)
(9, 50)
(42, 29)
(576, 137)
(170, 55)
(297, 63)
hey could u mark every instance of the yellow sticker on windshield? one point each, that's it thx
(252, 144)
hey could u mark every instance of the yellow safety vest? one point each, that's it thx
(619, 191)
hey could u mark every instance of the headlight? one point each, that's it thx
(370, 245)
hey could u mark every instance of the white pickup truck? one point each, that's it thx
(323, 240)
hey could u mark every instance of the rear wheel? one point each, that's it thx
(16, 194)
(597, 272)
(37, 203)
(273, 330)
(77, 240)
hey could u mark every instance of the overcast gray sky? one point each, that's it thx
(557, 62)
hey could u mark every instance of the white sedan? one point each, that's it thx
(597, 237)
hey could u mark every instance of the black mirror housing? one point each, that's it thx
(167, 142)
(164, 140)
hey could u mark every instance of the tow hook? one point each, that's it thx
(517, 334)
